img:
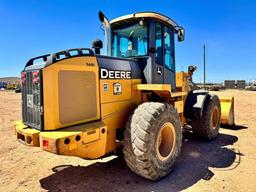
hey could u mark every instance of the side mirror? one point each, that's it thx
(192, 68)
(181, 34)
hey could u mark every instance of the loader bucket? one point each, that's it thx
(227, 111)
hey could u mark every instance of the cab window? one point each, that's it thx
(131, 41)
(169, 49)
(159, 48)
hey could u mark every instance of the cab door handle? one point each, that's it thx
(159, 70)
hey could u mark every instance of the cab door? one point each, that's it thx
(168, 57)
(158, 64)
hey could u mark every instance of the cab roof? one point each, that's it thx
(153, 15)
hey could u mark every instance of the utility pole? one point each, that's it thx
(204, 68)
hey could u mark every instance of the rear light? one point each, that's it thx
(45, 143)
(23, 75)
(23, 78)
(35, 77)
(35, 73)
(23, 81)
(36, 80)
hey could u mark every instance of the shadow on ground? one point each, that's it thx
(193, 165)
(234, 127)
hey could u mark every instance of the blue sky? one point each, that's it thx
(29, 28)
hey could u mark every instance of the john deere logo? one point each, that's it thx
(114, 74)
(30, 102)
(117, 88)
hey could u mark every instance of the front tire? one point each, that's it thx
(152, 140)
(207, 124)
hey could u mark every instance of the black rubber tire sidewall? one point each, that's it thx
(202, 123)
(140, 155)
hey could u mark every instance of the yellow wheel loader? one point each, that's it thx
(78, 102)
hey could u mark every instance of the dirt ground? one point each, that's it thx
(225, 164)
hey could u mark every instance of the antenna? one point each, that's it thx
(204, 67)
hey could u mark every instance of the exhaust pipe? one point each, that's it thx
(105, 22)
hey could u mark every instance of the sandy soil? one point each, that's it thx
(225, 164)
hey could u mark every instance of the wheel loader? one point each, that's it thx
(78, 102)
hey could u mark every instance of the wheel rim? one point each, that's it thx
(215, 117)
(165, 142)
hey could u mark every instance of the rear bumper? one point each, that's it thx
(86, 140)
(26, 135)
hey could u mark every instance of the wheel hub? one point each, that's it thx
(165, 142)
(215, 117)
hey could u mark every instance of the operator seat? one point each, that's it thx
(131, 53)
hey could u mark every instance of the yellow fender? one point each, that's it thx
(227, 110)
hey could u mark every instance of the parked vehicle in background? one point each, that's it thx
(3, 85)
(18, 89)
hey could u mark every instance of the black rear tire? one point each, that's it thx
(207, 124)
(142, 142)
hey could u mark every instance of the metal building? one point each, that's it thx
(240, 84)
(230, 84)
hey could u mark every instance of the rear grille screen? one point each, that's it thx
(31, 102)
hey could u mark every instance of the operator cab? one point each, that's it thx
(148, 37)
